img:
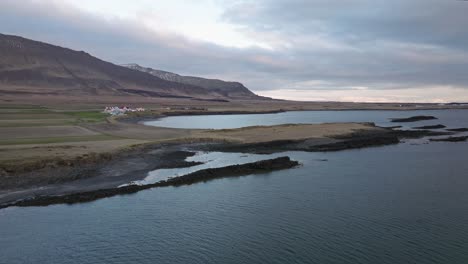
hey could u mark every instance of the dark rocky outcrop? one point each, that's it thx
(361, 139)
(262, 166)
(356, 143)
(56, 171)
(464, 129)
(450, 139)
(413, 119)
(366, 139)
(430, 127)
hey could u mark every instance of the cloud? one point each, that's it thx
(363, 94)
(383, 49)
(125, 40)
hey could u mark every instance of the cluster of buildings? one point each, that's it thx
(120, 110)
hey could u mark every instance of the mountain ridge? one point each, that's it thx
(227, 88)
(33, 67)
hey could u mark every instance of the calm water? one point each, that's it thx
(396, 204)
(450, 118)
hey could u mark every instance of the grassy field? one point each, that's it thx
(34, 133)
(87, 116)
(20, 117)
(48, 140)
(257, 134)
(24, 154)
(25, 128)
(21, 124)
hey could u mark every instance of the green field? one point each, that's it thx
(24, 116)
(49, 140)
(87, 116)
(21, 118)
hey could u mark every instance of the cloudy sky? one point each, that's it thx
(334, 50)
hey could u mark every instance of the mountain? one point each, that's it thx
(29, 67)
(233, 90)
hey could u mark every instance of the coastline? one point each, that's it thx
(138, 118)
(257, 167)
(133, 164)
(158, 148)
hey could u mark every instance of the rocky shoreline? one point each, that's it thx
(413, 119)
(463, 129)
(450, 139)
(258, 167)
(97, 176)
(357, 140)
(430, 127)
(135, 164)
(58, 171)
(120, 168)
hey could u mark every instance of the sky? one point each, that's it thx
(317, 50)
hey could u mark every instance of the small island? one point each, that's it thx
(413, 119)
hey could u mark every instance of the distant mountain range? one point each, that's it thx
(234, 90)
(32, 67)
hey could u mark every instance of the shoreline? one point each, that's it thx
(356, 140)
(258, 167)
(139, 118)
(120, 168)
(134, 164)
(161, 148)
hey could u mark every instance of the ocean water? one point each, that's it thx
(405, 203)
